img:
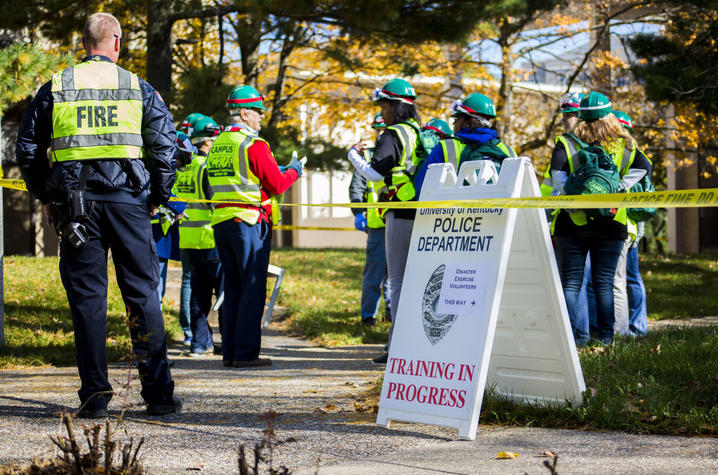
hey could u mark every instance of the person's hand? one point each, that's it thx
(47, 211)
(296, 165)
(360, 222)
(359, 147)
(153, 210)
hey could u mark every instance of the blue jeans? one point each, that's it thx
(244, 252)
(604, 255)
(374, 281)
(206, 280)
(185, 293)
(162, 285)
(637, 312)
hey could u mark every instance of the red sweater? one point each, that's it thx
(273, 181)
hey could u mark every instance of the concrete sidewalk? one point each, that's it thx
(314, 391)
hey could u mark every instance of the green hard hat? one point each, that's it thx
(474, 105)
(378, 122)
(203, 128)
(439, 126)
(594, 106)
(189, 121)
(624, 119)
(245, 96)
(395, 90)
(570, 102)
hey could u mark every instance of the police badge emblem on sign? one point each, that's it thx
(436, 325)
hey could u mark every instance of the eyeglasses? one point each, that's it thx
(117, 36)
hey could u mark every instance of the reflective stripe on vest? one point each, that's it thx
(231, 178)
(510, 153)
(96, 114)
(571, 147)
(452, 149)
(399, 184)
(617, 150)
(371, 195)
(195, 230)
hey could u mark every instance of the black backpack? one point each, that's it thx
(642, 214)
(596, 174)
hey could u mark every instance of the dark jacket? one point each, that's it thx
(123, 181)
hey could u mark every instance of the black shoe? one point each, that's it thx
(217, 349)
(90, 413)
(252, 363)
(167, 408)
(381, 359)
(368, 322)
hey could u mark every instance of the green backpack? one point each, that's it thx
(596, 174)
(485, 151)
(642, 214)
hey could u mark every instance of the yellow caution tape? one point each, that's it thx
(702, 198)
(288, 227)
(13, 184)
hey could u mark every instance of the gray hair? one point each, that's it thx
(101, 27)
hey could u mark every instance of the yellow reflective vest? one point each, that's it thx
(196, 229)
(453, 147)
(399, 183)
(232, 180)
(371, 195)
(571, 145)
(96, 114)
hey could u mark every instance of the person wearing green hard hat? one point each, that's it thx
(636, 290)
(196, 238)
(374, 277)
(398, 152)
(473, 139)
(624, 119)
(569, 103)
(243, 175)
(601, 238)
(435, 130)
(188, 122)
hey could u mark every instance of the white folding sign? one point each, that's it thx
(481, 302)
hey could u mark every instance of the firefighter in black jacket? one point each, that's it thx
(111, 140)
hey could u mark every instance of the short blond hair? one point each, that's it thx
(100, 28)
(604, 130)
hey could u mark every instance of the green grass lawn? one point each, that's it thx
(322, 289)
(665, 383)
(38, 323)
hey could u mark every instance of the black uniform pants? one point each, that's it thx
(126, 230)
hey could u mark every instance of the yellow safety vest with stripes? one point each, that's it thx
(371, 195)
(453, 147)
(196, 229)
(399, 183)
(623, 158)
(571, 146)
(96, 113)
(232, 180)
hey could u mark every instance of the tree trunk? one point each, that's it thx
(503, 106)
(159, 48)
(279, 100)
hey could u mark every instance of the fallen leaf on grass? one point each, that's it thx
(507, 455)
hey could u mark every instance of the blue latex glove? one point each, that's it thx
(282, 168)
(360, 222)
(297, 165)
